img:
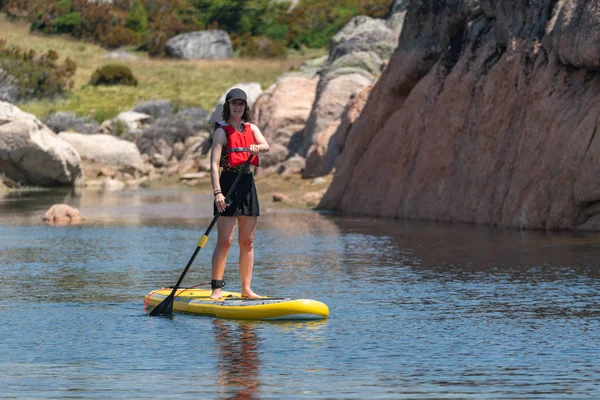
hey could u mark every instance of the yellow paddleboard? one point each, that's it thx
(234, 306)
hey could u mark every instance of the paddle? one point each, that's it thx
(165, 307)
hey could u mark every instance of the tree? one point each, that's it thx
(137, 20)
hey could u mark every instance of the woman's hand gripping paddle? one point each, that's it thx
(165, 307)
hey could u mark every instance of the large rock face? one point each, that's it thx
(487, 113)
(208, 45)
(32, 154)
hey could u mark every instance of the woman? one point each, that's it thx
(234, 140)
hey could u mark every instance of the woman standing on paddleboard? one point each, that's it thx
(234, 141)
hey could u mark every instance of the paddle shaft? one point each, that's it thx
(166, 306)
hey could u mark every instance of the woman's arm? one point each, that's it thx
(218, 141)
(261, 143)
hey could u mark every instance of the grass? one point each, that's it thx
(191, 83)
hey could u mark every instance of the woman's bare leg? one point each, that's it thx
(246, 230)
(225, 228)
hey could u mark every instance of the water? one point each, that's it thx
(418, 310)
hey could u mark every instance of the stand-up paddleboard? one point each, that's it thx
(234, 306)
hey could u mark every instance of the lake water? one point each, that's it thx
(417, 310)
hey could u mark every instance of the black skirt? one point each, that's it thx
(244, 199)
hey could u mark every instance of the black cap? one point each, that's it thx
(236, 94)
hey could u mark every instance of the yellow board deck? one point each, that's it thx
(233, 306)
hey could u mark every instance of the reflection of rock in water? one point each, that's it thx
(294, 222)
(463, 251)
(239, 363)
(27, 206)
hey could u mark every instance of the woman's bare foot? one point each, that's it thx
(248, 293)
(216, 294)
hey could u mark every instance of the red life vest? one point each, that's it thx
(238, 144)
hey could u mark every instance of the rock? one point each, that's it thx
(106, 184)
(252, 89)
(208, 45)
(120, 55)
(107, 127)
(572, 33)
(314, 65)
(158, 160)
(9, 87)
(136, 183)
(62, 215)
(277, 153)
(106, 149)
(112, 185)
(193, 175)
(293, 165)
(367, 61)
(316, 153)
(333, 94)
(280, 197)
(133, 121)
(329, 144)
(399, 6)
(318, 181)
(363, 33)
(178, 150)
(282, 110)
(107, 172)
(34, 155)
(313, 198)
(204, 164)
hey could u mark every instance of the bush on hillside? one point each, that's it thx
(262, 47)
(113, 74)
(68, 121)
(171, 129)
(36, 75)
(155, 108)
(168, 19)
(118, 36)
(311, 23)
(196, 117)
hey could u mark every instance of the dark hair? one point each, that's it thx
(226, 113)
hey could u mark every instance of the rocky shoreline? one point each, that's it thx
(304, 116)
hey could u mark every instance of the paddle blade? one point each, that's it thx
(165, 307)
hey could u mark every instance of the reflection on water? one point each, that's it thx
(238, 361)
(133, 206)
(417, 310)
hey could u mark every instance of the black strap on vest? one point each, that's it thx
(237, 150)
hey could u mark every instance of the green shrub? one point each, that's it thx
(64, 6)
(66, 23)
(137, 20)
(276, 31)
(113, 74)
(37, 75)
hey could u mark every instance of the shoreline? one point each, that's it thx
(297, 192)
(278, 191)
